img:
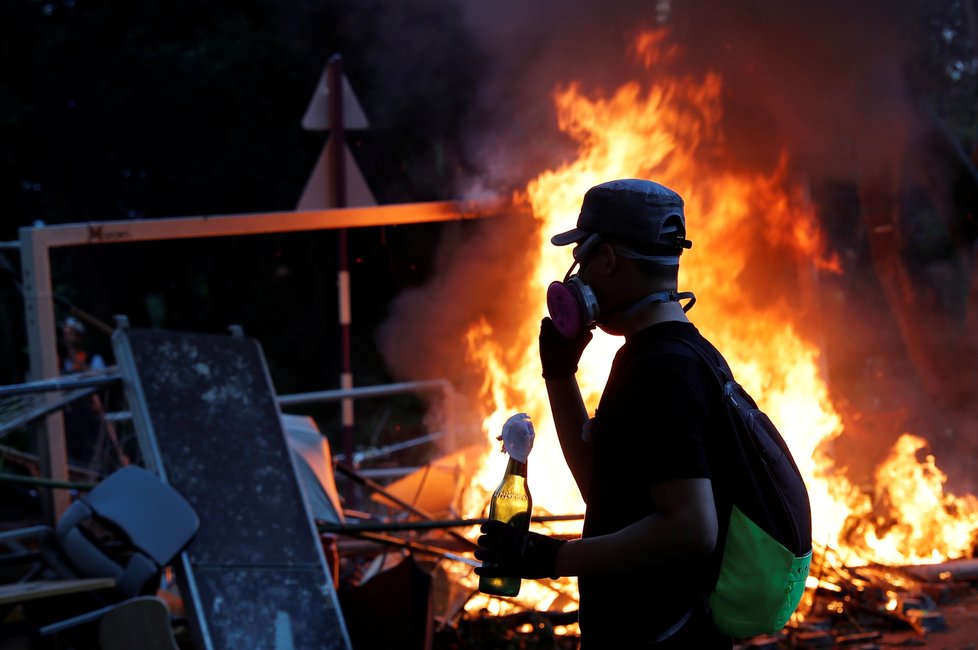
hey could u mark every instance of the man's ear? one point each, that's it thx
(606, 258)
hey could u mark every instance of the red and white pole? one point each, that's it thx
(337, 184)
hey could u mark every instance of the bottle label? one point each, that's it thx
(510, 495)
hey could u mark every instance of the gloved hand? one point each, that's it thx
(513, 552)
(559, 355)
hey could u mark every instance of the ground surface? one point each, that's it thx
(961, 615)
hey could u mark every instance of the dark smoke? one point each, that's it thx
(824, 80)
(481, 274)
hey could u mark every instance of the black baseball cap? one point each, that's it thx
(637, 211)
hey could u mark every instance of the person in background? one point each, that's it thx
(76, 357)
(648, 556)
(86, 430)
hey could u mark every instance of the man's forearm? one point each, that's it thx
(570, 414)
(685, 529)
(653, 541)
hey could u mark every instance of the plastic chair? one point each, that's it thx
(128, 527)
(144, 618)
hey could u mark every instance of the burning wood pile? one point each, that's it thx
(399, 549)
(867, 606)
(873, 605)
(413, 542)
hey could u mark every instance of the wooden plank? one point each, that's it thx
(950, 571)
(17, 593)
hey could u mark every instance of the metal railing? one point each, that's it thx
(77, 387)
(386, 390)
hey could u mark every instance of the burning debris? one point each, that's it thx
(859, 606)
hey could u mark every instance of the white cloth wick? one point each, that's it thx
(518, 436)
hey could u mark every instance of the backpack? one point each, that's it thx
(767, 548)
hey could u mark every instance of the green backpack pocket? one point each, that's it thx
(761, 582)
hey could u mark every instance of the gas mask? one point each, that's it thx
(572, 304)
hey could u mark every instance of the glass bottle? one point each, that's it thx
(511, 503)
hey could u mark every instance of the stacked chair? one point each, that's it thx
(125, 531)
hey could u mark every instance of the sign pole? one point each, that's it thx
(337, 183)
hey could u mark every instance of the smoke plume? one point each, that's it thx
(832, 83)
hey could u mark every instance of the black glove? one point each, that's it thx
(508, 551)
(558, 354)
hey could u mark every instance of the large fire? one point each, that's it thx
(668, 132)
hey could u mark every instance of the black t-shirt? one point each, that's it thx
(658, 418)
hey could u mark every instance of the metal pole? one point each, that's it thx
(42, 344)
(49, 406)
(45, 482)
(364, 392)
(395, 526)
(61, 383)
(128, 231)
(379, 489)
(337, 183)
(418, 547)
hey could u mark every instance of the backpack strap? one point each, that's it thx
(714, 361)
(736, 400)
(731, 392)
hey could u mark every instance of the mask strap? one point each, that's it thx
(663, 296)
(570, 271)
(583, 252)
(666, 260)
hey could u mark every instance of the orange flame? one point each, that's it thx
(669, 132)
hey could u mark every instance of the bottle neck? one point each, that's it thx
(516, 467)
